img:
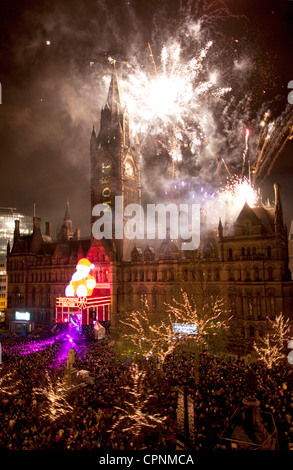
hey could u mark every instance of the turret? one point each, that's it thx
(16, 229)
(278, 221)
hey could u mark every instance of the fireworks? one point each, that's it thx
(245, 152)
(238, 192)
(193, 96)
(161, 100)
(278, 132)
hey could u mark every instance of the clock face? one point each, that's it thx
(106, 168)
(128, 169)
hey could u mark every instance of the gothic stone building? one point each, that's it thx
(247, 261)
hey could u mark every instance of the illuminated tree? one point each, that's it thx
(150, 335)
(147, 336)
(270, 349)
(55, 403)
(10, 384)
(135, 417)
(210, 316)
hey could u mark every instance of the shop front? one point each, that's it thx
(22, 323)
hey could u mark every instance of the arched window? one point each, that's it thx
(48, 297)
(142, 297)
(155, 299)
(269, 252)
(185, 274)
(248, 228)
(232, 301)
(270, 274)
(247, 275)
(16, 297)
(41, 299)
(34, 297)
(272, 306)
(217, 274)
(256, 273)
(242, 251)
(167, 254)
(230, 253)
(258, 305)
(154, 275)
(251, 331)
(250, 305)
(230, 274)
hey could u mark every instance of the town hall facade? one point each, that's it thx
(245, 262)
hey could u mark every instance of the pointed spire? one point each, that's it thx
(114, 99)
(278, 203)
(220, 228)
(279, 223)
(67, 221)
(93, 142)
(16, 229)
(93, 136)
(67, 212)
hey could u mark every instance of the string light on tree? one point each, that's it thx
(270, 348)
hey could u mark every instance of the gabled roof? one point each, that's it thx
(266, 216)
(258, 216)
(247, 212)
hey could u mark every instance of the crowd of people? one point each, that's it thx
(40, 411)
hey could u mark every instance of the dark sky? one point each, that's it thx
(51, 96)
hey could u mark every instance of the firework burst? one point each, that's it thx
(194, 93)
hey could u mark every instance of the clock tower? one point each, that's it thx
(115, 166)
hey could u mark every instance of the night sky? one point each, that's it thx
(52, 93)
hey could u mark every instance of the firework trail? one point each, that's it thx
(277, 135)
(245, 152)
